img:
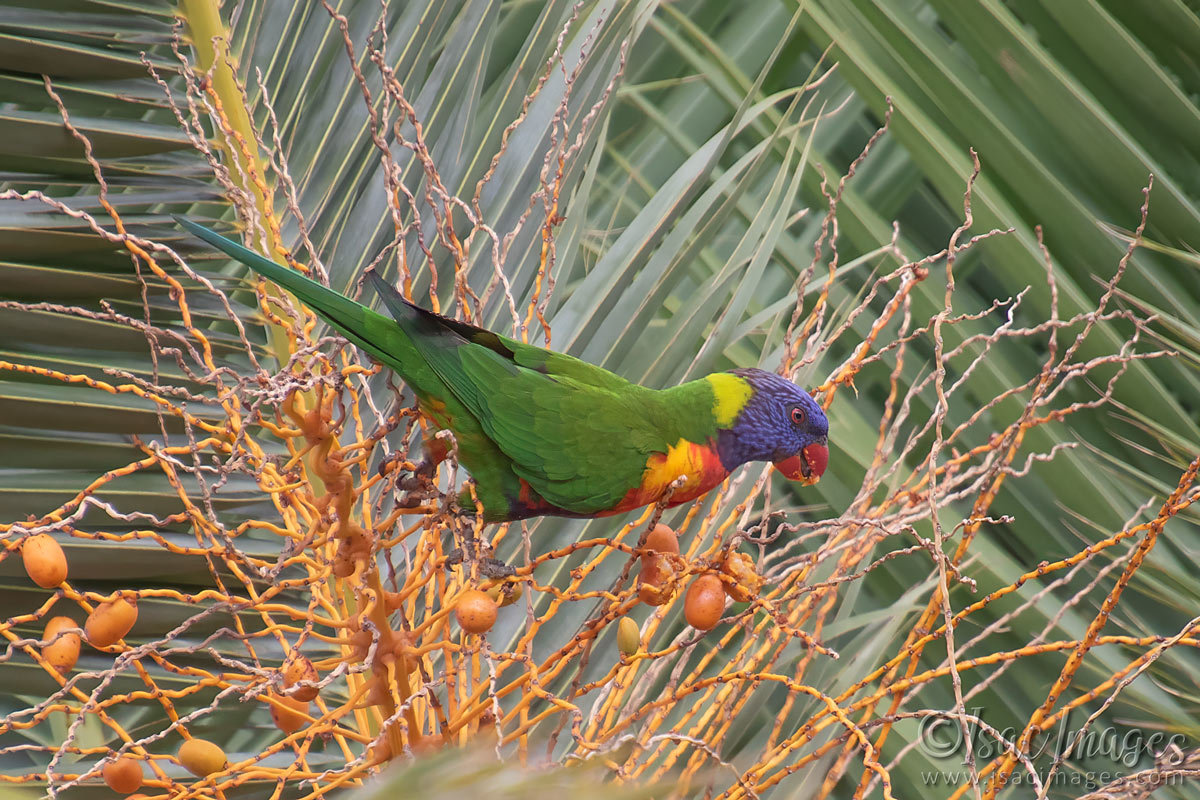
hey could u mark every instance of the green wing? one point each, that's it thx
(579, 434)
(535, 358)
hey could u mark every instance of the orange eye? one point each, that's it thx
(797, 416)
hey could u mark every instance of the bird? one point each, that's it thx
(545, 434)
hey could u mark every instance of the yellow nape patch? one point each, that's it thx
(730, 395)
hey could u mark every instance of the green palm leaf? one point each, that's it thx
(704, 140)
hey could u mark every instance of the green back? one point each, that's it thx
(578, 434)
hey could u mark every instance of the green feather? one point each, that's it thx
(578, 434)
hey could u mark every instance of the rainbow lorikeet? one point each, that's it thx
(543, 433)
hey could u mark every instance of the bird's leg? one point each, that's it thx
(473, 546)
(436, 451)
(419, 484)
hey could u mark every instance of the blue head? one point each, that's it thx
(779, 422)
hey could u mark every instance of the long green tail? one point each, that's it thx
(365, 328)
(392, 342)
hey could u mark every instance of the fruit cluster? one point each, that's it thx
(108, 623)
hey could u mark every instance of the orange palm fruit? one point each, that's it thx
(110, 622)
(705, 602)
(44, 560)
(475, 611)
(123, 775)
(63, 652)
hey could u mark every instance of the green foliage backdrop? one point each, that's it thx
(701, 145)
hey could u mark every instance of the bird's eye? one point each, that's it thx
(797, 415)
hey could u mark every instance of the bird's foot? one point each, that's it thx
(418, 487)
(421, 477)
(488, 567)
(497, 569)
(412, 500)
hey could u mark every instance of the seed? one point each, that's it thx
(505, 594)
(629, 637)
(298, 669)
(513, 593)
(201, 757)
(655, 583)
(662, 539)
(123, 775)
(476, 612)
(655, 587)
(110, 622)
(740, 567)
(63, 653)
(705, 602)
(288, 713)
(44, 560)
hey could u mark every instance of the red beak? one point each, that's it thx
(808, 466)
